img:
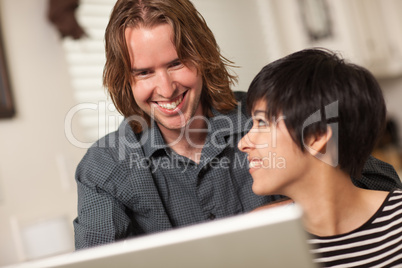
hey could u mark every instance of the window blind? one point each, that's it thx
(94, 112)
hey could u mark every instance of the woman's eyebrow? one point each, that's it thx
(256, 112)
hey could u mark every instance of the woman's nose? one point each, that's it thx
(245, 144)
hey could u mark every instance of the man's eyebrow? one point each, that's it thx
(139, 70)
(176, 59)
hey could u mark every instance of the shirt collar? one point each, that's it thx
(220, 126)
(153, 140)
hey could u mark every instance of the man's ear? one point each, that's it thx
(317, 143)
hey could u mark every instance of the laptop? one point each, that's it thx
(268, 238)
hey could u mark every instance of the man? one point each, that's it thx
(174, 161)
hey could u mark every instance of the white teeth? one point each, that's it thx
(172, 105)
(254, 164)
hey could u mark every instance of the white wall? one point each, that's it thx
(252, 34)
(33, 148)
(238, 31)
(392, 89)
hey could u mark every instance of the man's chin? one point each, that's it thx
(172, 126)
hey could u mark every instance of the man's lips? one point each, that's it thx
(173, 104)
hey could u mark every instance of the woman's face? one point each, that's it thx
(275, 161)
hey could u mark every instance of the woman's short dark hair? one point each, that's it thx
(299, 85)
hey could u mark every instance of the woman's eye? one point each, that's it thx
(261, 123)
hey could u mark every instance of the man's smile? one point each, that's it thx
(171, 105)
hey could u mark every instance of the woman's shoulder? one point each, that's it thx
(393, 200)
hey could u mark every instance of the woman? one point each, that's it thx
(316, 120)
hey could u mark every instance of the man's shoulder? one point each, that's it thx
(378, 175)
(110, 155)
(241, 98)
(116, 146)
(240, 95)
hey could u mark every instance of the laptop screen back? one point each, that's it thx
(267, 238)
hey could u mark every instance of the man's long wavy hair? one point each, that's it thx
(194, 43)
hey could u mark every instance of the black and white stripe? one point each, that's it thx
(377, 243)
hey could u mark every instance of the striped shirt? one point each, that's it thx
(377, 243)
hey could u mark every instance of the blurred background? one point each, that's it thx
(54, 72)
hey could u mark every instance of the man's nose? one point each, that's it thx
(165, 86)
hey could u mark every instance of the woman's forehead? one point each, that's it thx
(259, 106)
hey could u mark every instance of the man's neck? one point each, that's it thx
(187, 141)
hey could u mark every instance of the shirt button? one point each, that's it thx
(211, 216)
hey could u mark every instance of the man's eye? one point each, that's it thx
(141, 74)
(176, 64)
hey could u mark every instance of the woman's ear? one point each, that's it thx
(317, 143)
(324, 147)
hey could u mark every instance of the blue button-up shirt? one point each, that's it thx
(132, 184)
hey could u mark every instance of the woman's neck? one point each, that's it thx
(334, 205)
